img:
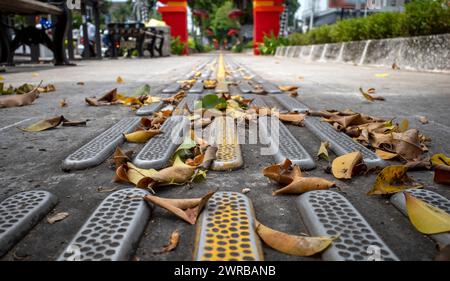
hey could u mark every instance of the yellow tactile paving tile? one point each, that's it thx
(225, 230)
(229, 155)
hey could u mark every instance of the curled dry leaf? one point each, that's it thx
(108, 99)
(385, 155)
(301, 184)
(369, 97)
(392, 179)
(63, 103)
(323, 151)
(423, 119)
(407, 144)
(67, 123)
(186, 209)
(425, 217)
(119, 80)
(280, 173)
(346, 166)
(294, 118)
(292, 244)
(403, 126)
(173, 242)
(120, 157)
(19, 100)
(288, 88)
(57, 217)
(209, 157)
(141, 136)
(209, 84)
(44, 124)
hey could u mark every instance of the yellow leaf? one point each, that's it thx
(209, 84)
(385, 155)
(44, 124)
(292, 244)
(141, 136)
(392, 179)
(426, 218)
(119, 80)
(323, 150)
(440, 159)
(403, 126)
(366, 95)
(2, 78)
(343, 166)
(63, 103)
(288, 88)
(381, 75)
(34, 74)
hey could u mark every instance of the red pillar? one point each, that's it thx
(174, 14)
(266, 17)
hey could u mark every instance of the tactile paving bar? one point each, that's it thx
(229, 155)
(172, 88)
(430, 197)
(197, 87)
(290, 103)
(327, 213)
(150, 108)
(270, 88)
(97, 150)
(288, 146)
(257, 101)
(226, 231)
(340, 143)
(158, 150)
(190, 101)
(113, 230)
(19, 213)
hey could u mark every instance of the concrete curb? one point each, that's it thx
(421, 53)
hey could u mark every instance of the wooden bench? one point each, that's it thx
(31, 35)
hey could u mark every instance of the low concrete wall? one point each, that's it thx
(423, 53)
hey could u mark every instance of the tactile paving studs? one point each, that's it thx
(340, 143)
(113, 230)
(229, 155)
(327, 213)
(158, 150)
(257, 101)
(430, 197)
(284, 144)
(188, 101)
(98, 150)
(150, 108)
(225, 230)
(19, 213)
(290, 103)
(270, 88)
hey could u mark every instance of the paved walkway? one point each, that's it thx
(33, 161)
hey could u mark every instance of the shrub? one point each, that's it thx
(421, 17)
(271, 43)
(176, 46)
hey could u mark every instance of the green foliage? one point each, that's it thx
(213, 101)
(271, 43)
(177, 47)
(237, 48)
(123, 12)
(221, 23)
(421, 17)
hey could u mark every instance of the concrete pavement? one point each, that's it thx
(32, 160)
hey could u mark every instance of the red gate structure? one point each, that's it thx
(174, 14)
(266, 16)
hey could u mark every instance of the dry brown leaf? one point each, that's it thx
(323, 151)
(120, 157)
(301, 184)
(392, 179)
(186, 209)
(385, 155)
(20, 100)
(423, 119)
(57, 217)
(294, 118)
(346, 166)
(209, 84)
(119, 80)
(280, 173)
(441, 164)
(63, 103)
(67, 123)
(292, 244)
(173, 242)
(109, 98)
(407, 144)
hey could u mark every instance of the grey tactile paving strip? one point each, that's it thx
(257, 101)
(150, 108)
(284, 144)
(197, 87)
(190, 101)
(226, 231)
(340, 143)
(243, 84)
(19, 213)
(328, 213)
(98, 150)
(172, 88)
(158, 150)
(290, 103)
(113, 230)
(270, 88)
(430, 197)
